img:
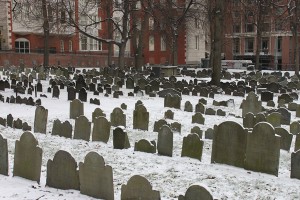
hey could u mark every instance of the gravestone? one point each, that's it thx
(129, 83)
(249, 120)
(176, 127)
(209, 133)
(117, 117)
(18, 124)
(267, 96)
(295, 164)
(158, 124)
(40, 119)
(271, 103)
(56, 92)
(172, 101)
(196, 192)
(197, 130)
(82, 128)
(192, 146)
(200, 108)
(198, 118)
(285, 138)
(76, 109)
(101, 129)
(229, 144)
(82, 95)
(62, 129)
(138, 187)
(96, 178)
(97, 113)
(188, 107)
(286, 116)
(275, 119)
(3, 121)
(62, 172)
(165, 141)
(169, 114)
(120, 139)
(28, 158)
(146, 146)
(295, 127)
(71, 93)
(9, 120)
(263, 149)
(251, 104)
(140, 118)
(3, 156)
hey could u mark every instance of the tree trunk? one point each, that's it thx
(217, 43)
(175, 50)
(46, 33)
(140, 45)
(109, 32)
(121, 58)
(258, 40)
(296, 39)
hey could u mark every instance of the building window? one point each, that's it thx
(63, 17)
(197, 23)
(236, 46)
(22, 45)
(151, 23)
(278, 25)
(249, 45)
(236, 28)
(62, 46)
(265, 45)
(83, 42)
(151, 43)
(279, 45)
(163, 44)
(89, 44)
(70, 46)
(197, 39)
(249, 28)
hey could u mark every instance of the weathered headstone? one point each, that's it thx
(169, 114)
(146, 146)
(165, 141)
(76, 109)
(158, 124)
(198, 118)
(140, 118)
(138, 187)
(192, 146)
(3, 156)
(96, 178)
(101, 129)
(97, 113)
(117, 117)
(62, 172)
(249, 120)
(295, 165)
(82, 95)
(196, 192)
(188, 107)
(40, 119)
(285, 138)
(251, 104)
(82, 128)
(28, 158)
(120, 139)
(295, 127)
(275, 119)
(62, 129)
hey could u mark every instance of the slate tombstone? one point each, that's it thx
(229, 144)
(210, 111)
(97, 113)
(120, 139)
(26, 127)
(18, 124)
(192, 146)
(123, 106)
(295, 165)
(139, 187)
(200, 108)
(292, 106)
(169, 114)
(96, 178)
(62, 172)
(3, 121)
(260, 117)
(165, 141)
(209, 133)
(285, 138)
(140, 118)
(101, 129)
(117, 117)
(267, 96)
(145, 146)
(172, 101)
(188, 107)
(3, 156)
(62, 129)
(82, 128)
(129, 83)
(249, 120)
(40, 119)
(274, 118)
(56, 92)
(197, 130)
(196, 192)
(71, 93)
(176, 127)
(28, 158)
(82, 95)
(198, 118)
(263, 149)
(158, 124)
(286, 116)
(76, 109)
(295, 127)
(251, 104)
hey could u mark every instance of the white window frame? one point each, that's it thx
(151, 43)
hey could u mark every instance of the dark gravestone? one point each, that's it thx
(76, 109)
(62, 172)
(188, 107)
(117, 117)
(95, 178)
(97, 113)
(3, 121)
(158, 124)
(56, 92)
(146, 146)
(295, 165)
(62, 129)
(138, 187)
(172, 101)
(198, 118)
(82, 128)
(251, 104)
(192, 146)
(165, 141)
(82, 96)
(101, 129)
(285, 138)
(120, 139)
(3, 156)
(140, 118)
(26, 127)
(71, 93)
(267, 96)
(197, 130)
(28, 158)
(9, 120)
(40, 120)
(169, 114)
(196, 192)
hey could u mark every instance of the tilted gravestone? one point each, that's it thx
(76, 109)
(101, 129)
(62, 172)
(62, 129)
(138, 187)
(198, 118)
(117, 117)
(140, 118)
(251, 104)
(165, 141)
(28, 158)
(295, 165)
(40, 120)
(96, 178)
(3, 156)
(285, 138)
(229, 144)
(146, 146)
(82, 128)
(196, 192)
(192, 146)
(263, 149)
(97, 113)
(120, 139)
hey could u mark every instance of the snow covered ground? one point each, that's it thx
(169, 175)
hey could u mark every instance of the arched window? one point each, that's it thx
(22, 45)
(70, 46)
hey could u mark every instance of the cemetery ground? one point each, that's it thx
(171, 176)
